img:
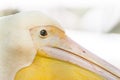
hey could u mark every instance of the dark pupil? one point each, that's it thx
(43, 32)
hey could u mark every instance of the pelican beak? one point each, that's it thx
(69, 51)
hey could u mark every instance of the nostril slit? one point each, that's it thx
(84, 51)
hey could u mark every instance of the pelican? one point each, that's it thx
(35, 47)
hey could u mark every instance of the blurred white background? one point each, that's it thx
(94, 24)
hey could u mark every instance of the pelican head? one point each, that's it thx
(27, 33)
(56, 45)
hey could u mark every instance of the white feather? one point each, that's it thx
(16, 46)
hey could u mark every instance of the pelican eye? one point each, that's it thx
(43, 33)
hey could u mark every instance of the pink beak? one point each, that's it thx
(70, 51)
